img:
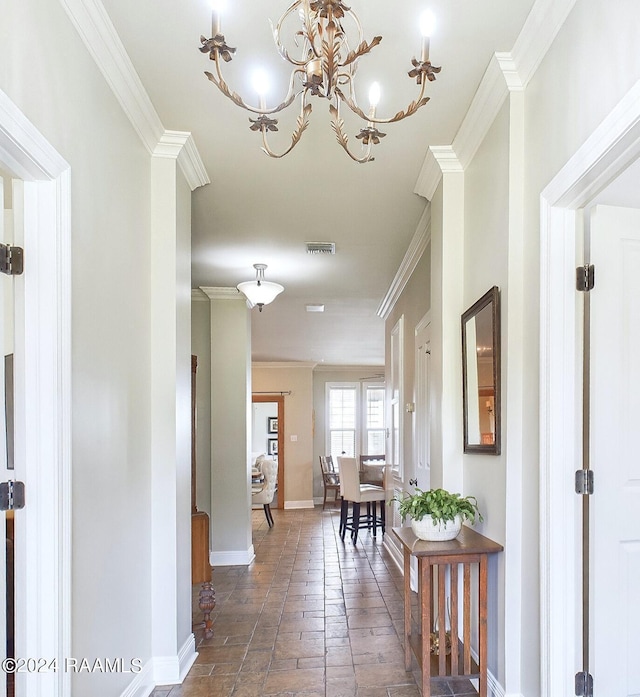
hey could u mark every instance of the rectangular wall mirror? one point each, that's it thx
(481, 374)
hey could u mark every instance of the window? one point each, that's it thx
(355, 419)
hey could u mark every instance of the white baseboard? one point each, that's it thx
(495, 688)
(238, 557)
(299, 504)
(163, 670)
(143, 683)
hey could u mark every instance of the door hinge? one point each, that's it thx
(11, 260)
(585, 277)
(11, 496)
(584, 482)
(584, 684)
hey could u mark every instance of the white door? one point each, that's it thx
(422, 416)
(615, 455)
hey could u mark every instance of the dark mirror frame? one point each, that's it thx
(490, 298)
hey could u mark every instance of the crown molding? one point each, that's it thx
(283, 364)
(418, 244)
(103, 43)
(181, 146)
(101, 39)
(499, 79)
(537, 34)
(222, 293)
(506, 72)
(197, 295)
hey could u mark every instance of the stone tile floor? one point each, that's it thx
(310, 617)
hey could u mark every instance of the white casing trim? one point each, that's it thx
(604, 155)
(238, 557)
(43, 346)
(419, 242)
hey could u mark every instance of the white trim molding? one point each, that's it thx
(238, 557)
(290, 505)
(198, 296)
(604, 155)
(101, 39)
(43, 365)
(96, 30)
(419, 242)
(222, 293)
(181, 146)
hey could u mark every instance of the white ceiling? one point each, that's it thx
(258, 209)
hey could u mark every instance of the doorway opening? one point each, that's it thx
(267, 433)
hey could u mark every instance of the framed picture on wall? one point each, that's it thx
(272, 446)
(272, 424)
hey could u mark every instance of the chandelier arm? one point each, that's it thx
(277, 30)
(409, 111)
(337, 124)
(220, 83)
(302, 123)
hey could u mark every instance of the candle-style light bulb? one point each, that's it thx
(427, 27)
(374, 99)
(261, 86)
(217, 8)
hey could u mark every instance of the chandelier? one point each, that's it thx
(331, 43)
(260, 292)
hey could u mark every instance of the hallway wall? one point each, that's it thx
(69, 101)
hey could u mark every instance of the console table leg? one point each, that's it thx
(483, 625)
(424, 570)
(407, 610)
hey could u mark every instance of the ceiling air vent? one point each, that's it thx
(321, 247)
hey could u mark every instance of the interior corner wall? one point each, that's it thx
(321, 376)
(298, 420)
(68, 101)
(201, 347)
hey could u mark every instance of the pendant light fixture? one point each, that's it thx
(260, 292)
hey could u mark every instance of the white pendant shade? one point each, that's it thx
(260, 292)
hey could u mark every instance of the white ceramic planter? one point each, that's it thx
(427, 529)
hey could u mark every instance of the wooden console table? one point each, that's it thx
(438, 574)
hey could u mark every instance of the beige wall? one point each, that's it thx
(298, 419)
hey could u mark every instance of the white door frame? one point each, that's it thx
(43, 414)
(613, 145)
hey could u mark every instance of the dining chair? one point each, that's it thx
(372, 469)
(265, 495)
(330, 478)
(356, 493)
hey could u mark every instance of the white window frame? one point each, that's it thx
(360, 439)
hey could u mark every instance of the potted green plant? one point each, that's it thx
(437, 514)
